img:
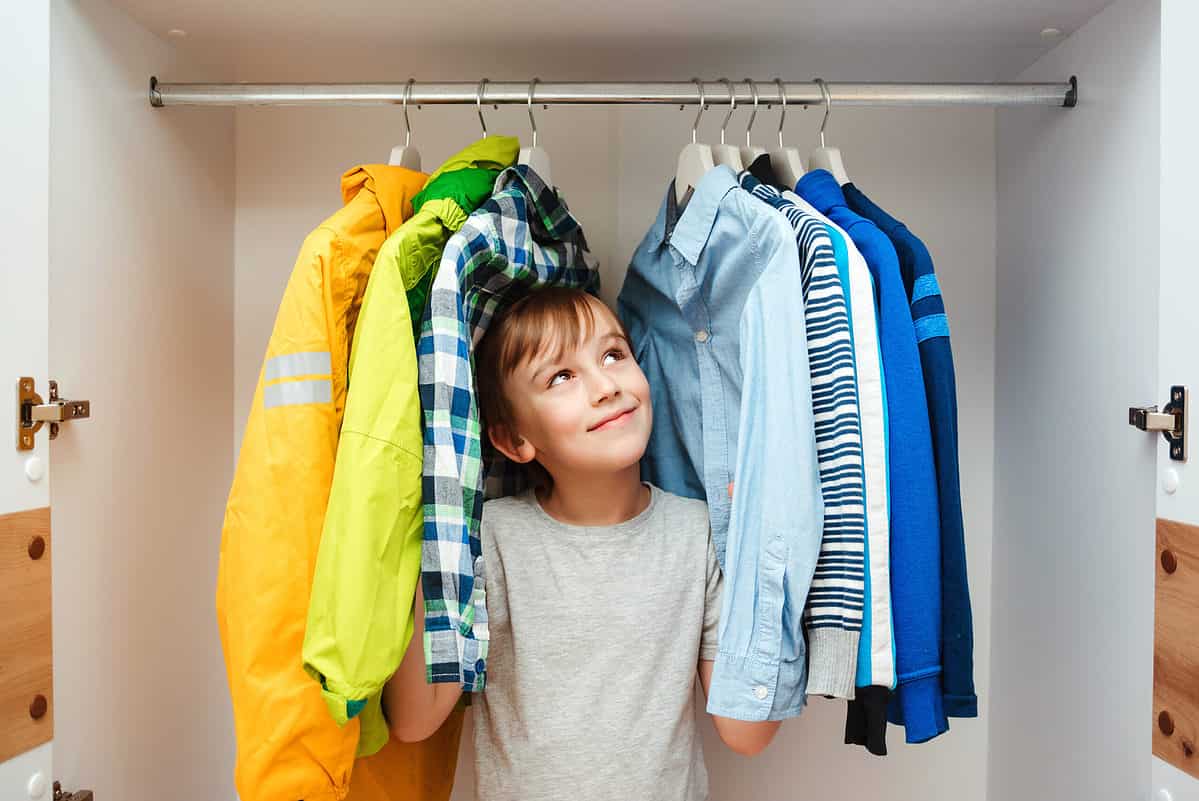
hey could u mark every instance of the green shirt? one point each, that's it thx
(360, 611)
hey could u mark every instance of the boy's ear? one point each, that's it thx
(511, 444)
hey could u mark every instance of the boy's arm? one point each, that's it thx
(414, 708)
(746, 738)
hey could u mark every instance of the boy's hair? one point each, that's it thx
(550, 320)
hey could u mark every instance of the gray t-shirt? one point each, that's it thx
(595, 637)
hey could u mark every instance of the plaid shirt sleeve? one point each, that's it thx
(452, 467)
(521, 239)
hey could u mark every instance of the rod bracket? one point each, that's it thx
(155, 95)
(1072, 94)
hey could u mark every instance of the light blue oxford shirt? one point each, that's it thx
(714, 304)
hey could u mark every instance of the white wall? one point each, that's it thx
(1077, 336)
(141, 211)
(933, 168)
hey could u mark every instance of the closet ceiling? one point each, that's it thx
(994, 33)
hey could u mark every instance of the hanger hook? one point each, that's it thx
(753, 90)
(407, 126)
(732, 106)
(703, 104)
(479, 105)
(782, 108)
(532, 88)
(828, 106)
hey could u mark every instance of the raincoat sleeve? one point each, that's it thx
(360, 614)
(287, 746)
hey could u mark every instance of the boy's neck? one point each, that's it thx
(596, 500)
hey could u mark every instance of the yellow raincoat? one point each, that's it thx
(288, 746)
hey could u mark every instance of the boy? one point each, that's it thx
(603, 593)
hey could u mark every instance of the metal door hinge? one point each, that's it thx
(1171, 421)
(78, 795)
(32, 413)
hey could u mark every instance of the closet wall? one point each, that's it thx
(1079, 225)
(935, 168)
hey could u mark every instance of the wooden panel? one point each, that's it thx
(1176, 646)
(26, 697)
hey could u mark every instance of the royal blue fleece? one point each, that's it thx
(915, 524)
(936, 359)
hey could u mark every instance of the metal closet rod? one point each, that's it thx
(798, 93)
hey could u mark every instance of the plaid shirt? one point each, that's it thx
(522, 239)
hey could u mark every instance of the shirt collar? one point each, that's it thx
(763, 169)
(803, 205)
(821, 189)
(488, 153)
(763, 191)
(881, 218)
(547, 212)
(393, 188)
(751, 182)
(689, 232)
(468, 187)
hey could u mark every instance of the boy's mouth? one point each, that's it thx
(614, 420)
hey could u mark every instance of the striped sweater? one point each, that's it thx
(876, 650)
(833, 613)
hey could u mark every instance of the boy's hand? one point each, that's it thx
(745, 738)
(414, 708)
(731, 490)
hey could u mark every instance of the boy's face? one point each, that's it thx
(585, 411)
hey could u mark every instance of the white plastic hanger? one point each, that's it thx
(535, 157)
(728, 155)
(828, 158)
(406, 155)
(785, 160)
(750, 152)
(696, 159)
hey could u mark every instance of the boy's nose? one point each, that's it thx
(603, 388)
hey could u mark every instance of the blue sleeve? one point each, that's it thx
(915, 524)
(777, 511)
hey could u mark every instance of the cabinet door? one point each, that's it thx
(26, 697)
(1175, 719)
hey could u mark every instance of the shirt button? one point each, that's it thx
(761, 692)
(701, 336)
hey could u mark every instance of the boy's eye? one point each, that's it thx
(561, 374)
(615, 354)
